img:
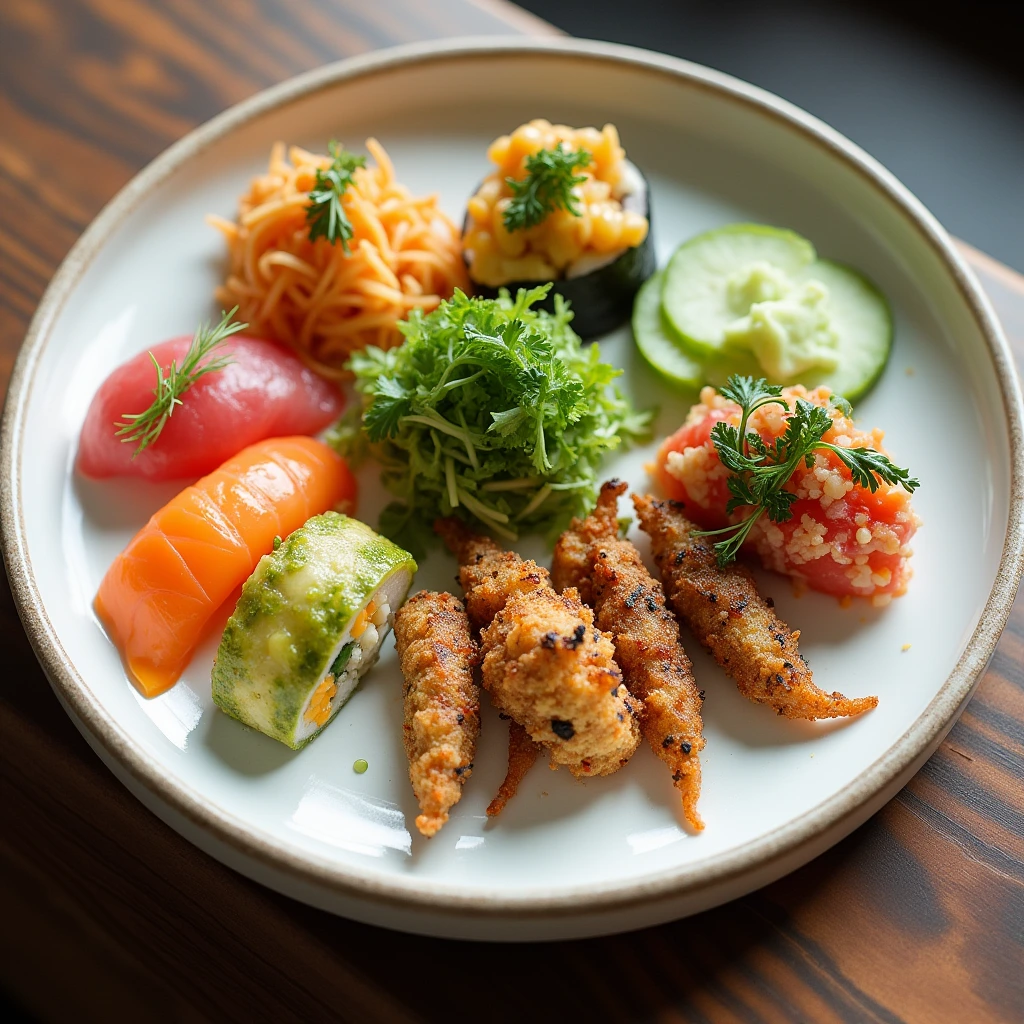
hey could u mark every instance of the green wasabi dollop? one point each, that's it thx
(787, 325)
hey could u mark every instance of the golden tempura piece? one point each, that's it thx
(489, 575)
(572, 564)
(730, 618)
(630, 605)
(522, 753)
(442, 702)
(544, 663)
(547, 666)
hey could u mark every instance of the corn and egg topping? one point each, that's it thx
(366, 635)
(601, 227)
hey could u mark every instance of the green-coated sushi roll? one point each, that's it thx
(308, 625)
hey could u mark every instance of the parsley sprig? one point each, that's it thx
(325, 214)
(145, 427)
(493, 410)
(760, 471)
(547, 186)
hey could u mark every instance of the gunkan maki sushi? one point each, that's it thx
(562, 205)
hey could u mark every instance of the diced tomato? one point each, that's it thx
(842, 538)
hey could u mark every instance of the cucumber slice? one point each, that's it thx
(657, 344)
(664, 353)
(863, 323)
(695, 294)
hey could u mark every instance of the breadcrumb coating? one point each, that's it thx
(544, 663)
(489, 575)
(730, 618)
(630, 605)
(442, 702)
(547, 666)
(572, 564)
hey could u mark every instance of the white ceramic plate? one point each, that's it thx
(566, 858)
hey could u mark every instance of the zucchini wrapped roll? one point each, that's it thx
(308, 625)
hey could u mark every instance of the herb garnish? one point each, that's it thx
(547, 186)
(325, 214)
(761, 471)
(145, 427)
(491, 409)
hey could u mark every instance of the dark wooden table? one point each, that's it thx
(107, 915)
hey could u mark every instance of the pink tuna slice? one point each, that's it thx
(266, 391)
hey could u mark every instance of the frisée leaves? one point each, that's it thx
(493, 410)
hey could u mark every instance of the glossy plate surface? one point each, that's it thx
(565, 858)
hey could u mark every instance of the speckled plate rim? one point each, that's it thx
(781, 847)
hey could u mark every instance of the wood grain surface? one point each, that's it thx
(109, 915)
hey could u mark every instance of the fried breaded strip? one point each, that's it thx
(730, 618)
(522, 753)
(489, 575)
(572, 563)
(630, 605)
(442, 702)
(547, 666)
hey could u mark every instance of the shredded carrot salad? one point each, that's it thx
(323, 302)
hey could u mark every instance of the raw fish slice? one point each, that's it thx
(205, 538)
(158, 596)
(266, 391)
(148, 631)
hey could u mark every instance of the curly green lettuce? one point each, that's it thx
(490, 410)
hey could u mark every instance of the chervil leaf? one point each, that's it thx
(390, 404)
(547, 186)
(726, 439)
(868, 467)
(726, 436)
(741, 493)
(325, 214)
(804, 429)
(746, 392)
(777, 505)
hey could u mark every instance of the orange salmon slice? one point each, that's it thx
(158, 596)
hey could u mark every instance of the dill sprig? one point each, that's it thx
(548, 185)
(760, 471)
(325, 214)
(145, 427)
